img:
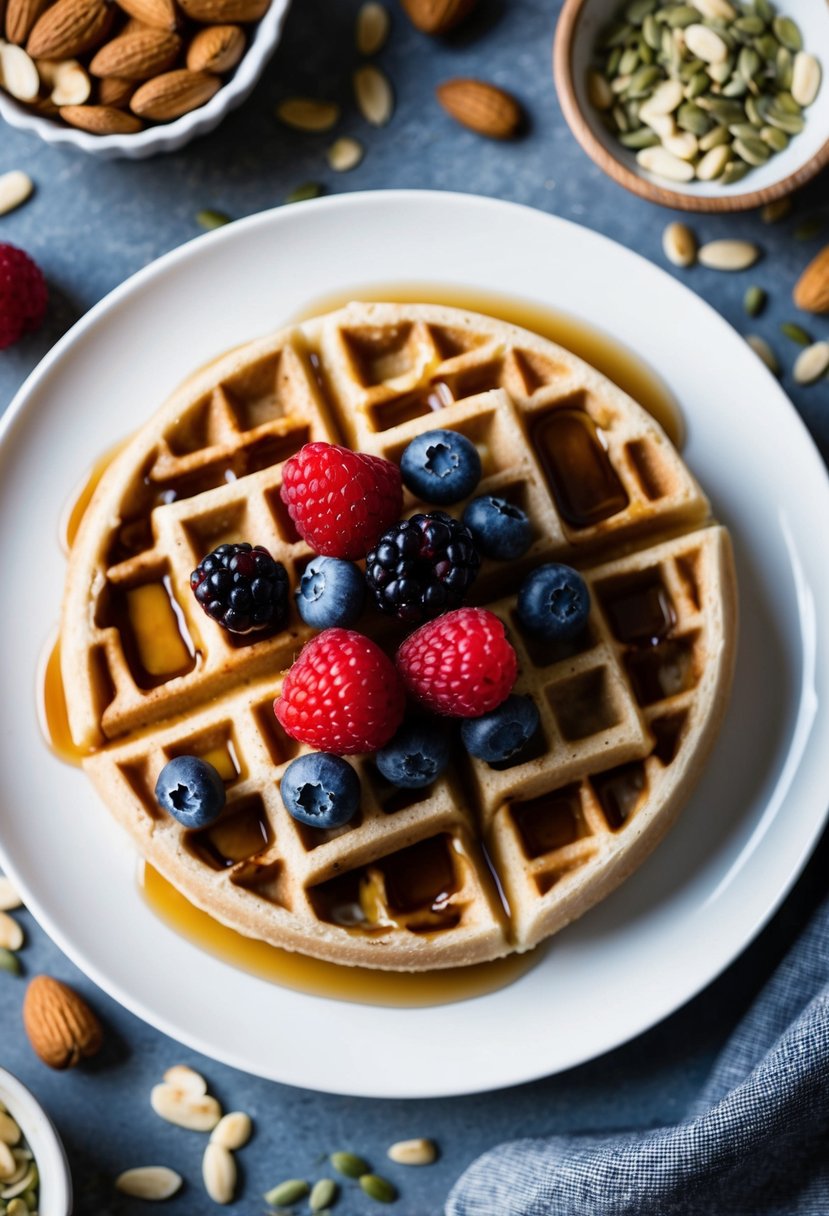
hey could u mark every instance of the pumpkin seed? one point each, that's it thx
(720, 72)
(791, 124)
(748, 63)
(613, 62)
(345, 154)
(642, 80)
(9, 961)
(372, 28)
(208, 218)
(643, 138)
(715, 138)
(691, 118)
(599, 91)
(696, 86)
(323, 1194)
(809, 228)
(629, 61)
(763, 351)
(638, 10)
(301, 194)
(616, 34)
(795, 333)
(713, 163)
(772, 213)
(650, 33)
(785, 102)
(374, 96)
(715, 10)
(752, 151)
(787, 32)
(805, 78)
(766, 47)
(754, 301)
(728, 255)
(764, 9)
(378, 1188)
(778, 141)
(735, 88)
(349, 1164)
(308, 114)
(812, 363)
(783, 68)
(752, 112)
(154, 1182)
(288, 1192)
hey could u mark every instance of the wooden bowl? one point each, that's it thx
(578, 29)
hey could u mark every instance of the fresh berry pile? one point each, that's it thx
(344, 695)
(23, 295)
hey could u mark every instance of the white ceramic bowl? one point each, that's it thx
(578, 29)
(166, 137)
(43, 1140)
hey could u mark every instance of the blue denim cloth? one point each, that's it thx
(756, 1143)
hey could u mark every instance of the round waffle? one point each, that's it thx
(488, 859)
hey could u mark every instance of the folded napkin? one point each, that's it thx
(756, 1143)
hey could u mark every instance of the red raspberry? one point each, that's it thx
(342, 695)
(341, 501)
(461, 664)
(23, 295)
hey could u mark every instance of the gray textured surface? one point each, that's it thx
(91, 225)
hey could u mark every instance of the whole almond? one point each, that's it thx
(159, 14)
(100, 120)
(61, 1027)
(69, 28)
(437, 16)
(138, 55)
(20, 17)
(216, 48)
(225, 12)
(113, 91)
(811, 292)
(173, 94)
(481, 107)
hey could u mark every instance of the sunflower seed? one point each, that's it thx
(729, 255)
(706, 44)
(149, 1182)
(684, 145)
(345, 154)
(373, 25)
(665, 98)
(219, 1173)
(754, 301)
(323, 1194)
(11, 934)
(9, 898)
(288, 1192)
(413, 1152)
(805, 78)
(795, 333)
(713, 163)
(307, 114)
(349, 1164)
(812, 363)
(787, 32)
(715, 10)
(664, 164)
(772, 213)
(374, 96)
(197, 1112)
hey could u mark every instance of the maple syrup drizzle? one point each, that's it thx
(51, 705)
(608, 356)
(75, 510)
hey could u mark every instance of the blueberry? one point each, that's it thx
(416, 756)
(191, 791)
(330, 593)
(320, 790)
(554, 603)
(441, 467)
(499, 528)
(503, 733)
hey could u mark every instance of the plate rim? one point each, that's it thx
(138, 1006)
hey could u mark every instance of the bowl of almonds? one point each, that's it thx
(134, 77)
(34, 1173)
(703, 105)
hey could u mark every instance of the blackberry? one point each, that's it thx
(422, 567)
(242, 587)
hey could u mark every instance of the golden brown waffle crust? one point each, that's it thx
(206, 467)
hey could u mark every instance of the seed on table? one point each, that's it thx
(772, 213)
(349, 1164)
(9, 961)
(154, 1182)
(796, 333)
(764, 352)
(219, 1173)
(372, 28)
(378, 1188)
(301, 194)
(413, 1152)
(288, 1192)
(373, 94)
(754, 301)
(11, 934)
(323, 1194)
(308, 114)
(812, 363)
(209, 219)
(15, 188)
(345, 154)
(729, 255)
(232, 1131)
(9, 898)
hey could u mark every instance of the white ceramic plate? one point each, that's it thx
(759, 806)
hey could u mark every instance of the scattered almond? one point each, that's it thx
(160, 14)
(308, 114)
(481, 107)
(374, 96)
(15, 187)
(9, 898)
(413, 1152)
(198, 1113)
(100, 120)
(225, 11)
(174, 93)
(18, 74)
(11, 934)
(20, 17)
(152, 1182)
(186, 1079)
(437, 16)
(812, 363)
(138, 55)
(219, 1173)
(345, 154)
(728, 255)
(113, 91)
(811, 291)
(232, 1131)
(372, 28)
(61, 1027)
(217, 48)
(68, 28)
(71, 85)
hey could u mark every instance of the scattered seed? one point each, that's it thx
(373, 25)
(772, 213)
(208, 218)
(288, 1192)
(323, 1195)
(795, 333)
(308, 114)
(197, 1112)
(9, 962)
(232, 1131)
(729, 255)
(378, 1188)
(754, 301)
(349, 1164)
(413, 1152)
(679, 245)
(11, 934)
(812, 363)
(374, 96)
(154, 1182)
(15, 188)
(809, 228)
(304, 192)
(219, 1173)
(345, 154)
